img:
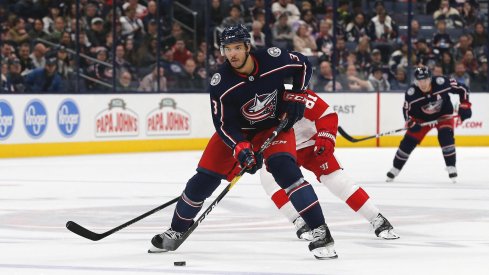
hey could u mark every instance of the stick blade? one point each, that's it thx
(82, 231)
(346, 135)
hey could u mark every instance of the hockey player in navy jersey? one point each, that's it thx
(248, 100)
(315, 136)
(426, 100)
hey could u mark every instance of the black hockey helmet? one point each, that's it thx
(422, 73)
(233, 34)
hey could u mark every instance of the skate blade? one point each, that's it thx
(332, 257)
(325, 253)
(389, 235)
(154, 249)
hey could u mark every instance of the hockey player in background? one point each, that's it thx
(316, 138)
(247, 100)
(426, 100)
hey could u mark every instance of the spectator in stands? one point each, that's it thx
(174, 70)
(363, 55)
(352, 81)
(132, 26)
(217, 13)
(424, 55)
(99, 71)
(461, 75)
(125, 83)
(191, 80)
(449, 14)
(66, 40)
(399, 58)
(151, 18)
(461, 47)
(378, 81)
(121, 64)
(447, 63)
(479, 36)
(96, 35)
(382, 28)
(258, 8)
(356, 29)
(145, 55)
(18, 33)
(324, 80)
(344, 13)
(65, 68)
(45, 79)
(89, 14)
(324, 39)
(303, 41)
(234, 17)
(140, 9)
(441, 39)
(180, 52)
(470, 63)
(131, 54)
(5, 86)
(37, 31)
(437, 70)
(283, 6)
(415, 27)
(58, 29)
(310, 20)
(150, 81)
(48, 20)
(468, 13)
(341, 53)
(258, 40)
(37, 55)
(24, 59)
(376, 61)
(14, 77)
(400, 81)
(282, 33)
(243, 7)
(178, 33)
(479, 83)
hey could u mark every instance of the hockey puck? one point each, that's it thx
(179, 263)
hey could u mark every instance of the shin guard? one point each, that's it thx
(447, 143)
(407, 145)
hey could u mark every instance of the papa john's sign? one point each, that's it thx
(168, 120)
(117, 121)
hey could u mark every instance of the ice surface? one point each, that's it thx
(443, 226)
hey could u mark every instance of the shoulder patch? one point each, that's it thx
(216, 78)
(440, 80)
(274, 51)
(410, 91)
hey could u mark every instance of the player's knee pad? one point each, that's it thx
(284, 169)
(201, 186)
(445, 137)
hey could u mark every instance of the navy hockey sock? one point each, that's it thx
(407, 145)
(447, 143)
(289, 177)
(198, 188)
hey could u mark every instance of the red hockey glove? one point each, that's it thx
(413, 125)
(324, 146)
(243, 153)
(464, 110)
(294, 105)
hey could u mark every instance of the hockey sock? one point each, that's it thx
(288, 176)
(407, 145)
(198, 188)
(447, 143)
(284, 205)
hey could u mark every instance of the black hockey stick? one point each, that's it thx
(352, 139)
(264, 146)
(85, 233)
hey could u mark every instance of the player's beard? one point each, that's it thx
(242, 64)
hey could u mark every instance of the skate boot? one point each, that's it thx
(165, 242)
(392, 174)
(303, 231)
(322, 245)
(383, 228)
(452, 173)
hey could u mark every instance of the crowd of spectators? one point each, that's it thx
(367, 50)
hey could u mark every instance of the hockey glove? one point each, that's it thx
(413, 125)
(324, 146)
(243, 153)
(294, 107)
(464, 110)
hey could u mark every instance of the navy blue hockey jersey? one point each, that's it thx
(436, 103)
(254, 102)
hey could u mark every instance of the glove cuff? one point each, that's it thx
(328, 135)
(295, 97)
(465, 105)
(240, 147)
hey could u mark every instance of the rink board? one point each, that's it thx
(43, 125)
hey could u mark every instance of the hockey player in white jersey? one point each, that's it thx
(316, 138)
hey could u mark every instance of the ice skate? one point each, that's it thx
(165, 242)
(303, 231)
(452, 173)
(383, 228)
(392, 174)
(322, 245)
